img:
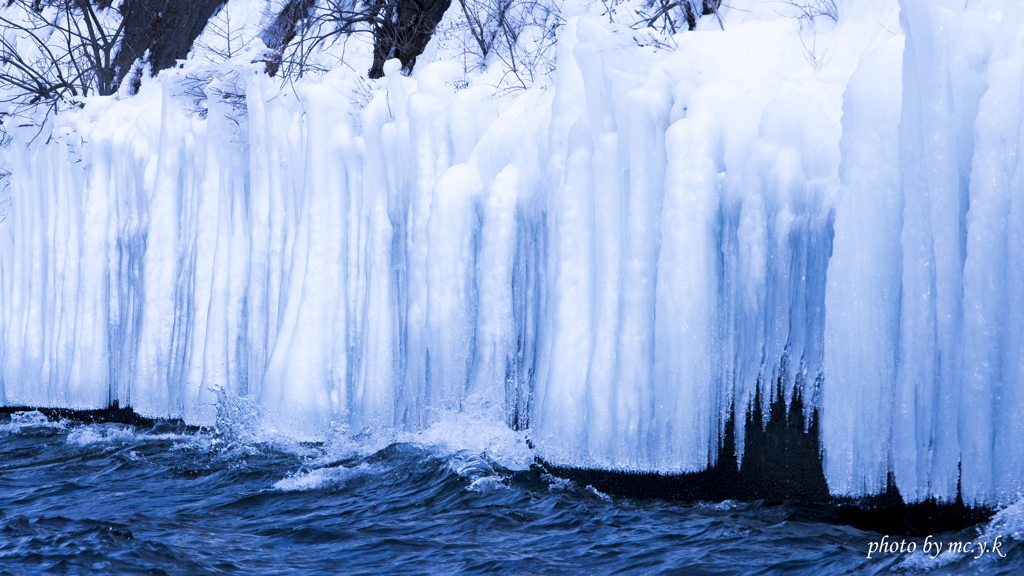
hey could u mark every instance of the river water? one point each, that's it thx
(88, 498)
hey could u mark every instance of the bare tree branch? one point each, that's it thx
(49, 57)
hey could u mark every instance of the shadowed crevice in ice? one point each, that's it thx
(889, 514)
(782, 464)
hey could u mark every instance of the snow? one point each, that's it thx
(617, 254)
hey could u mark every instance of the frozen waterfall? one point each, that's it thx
(616, 262)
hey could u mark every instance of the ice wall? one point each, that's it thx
(922, 340)
(616, 263)
(960, 339)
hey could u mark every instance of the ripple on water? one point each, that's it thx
(111, 498)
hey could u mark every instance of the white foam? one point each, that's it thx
(321, 478)
(462, 432)
(100, 434)
(32, 419)
(487, 484)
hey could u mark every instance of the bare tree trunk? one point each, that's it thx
(167, 28)
(404, 29)
(283, 29)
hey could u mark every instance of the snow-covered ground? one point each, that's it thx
(614, 245)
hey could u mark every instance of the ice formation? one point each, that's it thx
(614, 261)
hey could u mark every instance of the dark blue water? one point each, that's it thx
(114, 499)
